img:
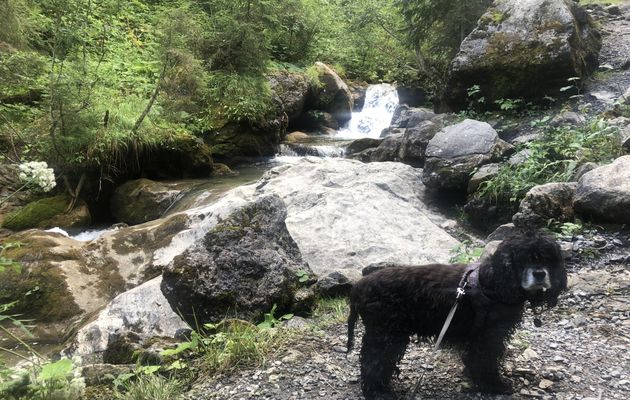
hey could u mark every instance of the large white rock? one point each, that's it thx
(142, 310)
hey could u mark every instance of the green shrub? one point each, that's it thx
(553, 157)
(238, 98)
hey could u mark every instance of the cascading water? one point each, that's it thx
(380, 103)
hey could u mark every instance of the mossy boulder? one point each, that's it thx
(333, 95)
(524, 49)
(47, 213)
(141, 200)
(292, 89)
(236, 143)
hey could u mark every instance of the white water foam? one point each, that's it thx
(380, 103)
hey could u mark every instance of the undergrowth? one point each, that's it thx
(554, 157)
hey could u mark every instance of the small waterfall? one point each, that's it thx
(380, 103)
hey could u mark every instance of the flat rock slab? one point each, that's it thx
(343, 214)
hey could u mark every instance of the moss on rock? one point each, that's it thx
(40, 289)
(48, 213)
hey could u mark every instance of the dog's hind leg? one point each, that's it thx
(380, 353)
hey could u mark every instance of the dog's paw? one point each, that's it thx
(496, 386)
(379, 393)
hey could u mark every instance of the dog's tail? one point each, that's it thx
(352, 320)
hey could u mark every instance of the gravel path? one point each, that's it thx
(580, 352)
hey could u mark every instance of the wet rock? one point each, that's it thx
(388, 149)
(568, 118)
(316, 120)
(604, 193)
(358, 90)
(296, 136)
(405, 115)
(52, 284)
(343, 215)
(551, 201)
(142, 200)
(415, 141)
(613, 9)
(501, 232)
(362, 144)
(333, 285)
(583, 169)
(243, 266)
(457, 150)
(524, 49)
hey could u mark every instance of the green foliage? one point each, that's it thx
(436, 28)
(303, 276)
(553, 157)
(237, 98)
(149, 387)
(270, 320)
(568, 228)
(465, 253)
(330, 310)
(230, 345)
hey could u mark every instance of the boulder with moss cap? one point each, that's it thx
(524, 49)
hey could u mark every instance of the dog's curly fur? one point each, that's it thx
(400, 301)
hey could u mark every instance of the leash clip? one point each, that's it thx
(461, 291)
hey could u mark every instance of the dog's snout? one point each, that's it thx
(540, 274)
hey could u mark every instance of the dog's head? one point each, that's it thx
(526, 266)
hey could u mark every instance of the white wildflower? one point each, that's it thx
(38, 174)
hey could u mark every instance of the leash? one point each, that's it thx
(460, 292)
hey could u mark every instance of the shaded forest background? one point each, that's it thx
(85, 84)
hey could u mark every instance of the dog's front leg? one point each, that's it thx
(482, 358)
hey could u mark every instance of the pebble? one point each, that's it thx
(545, 384)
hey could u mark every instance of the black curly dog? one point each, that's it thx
(400, 301)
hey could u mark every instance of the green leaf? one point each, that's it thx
(57, 370)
